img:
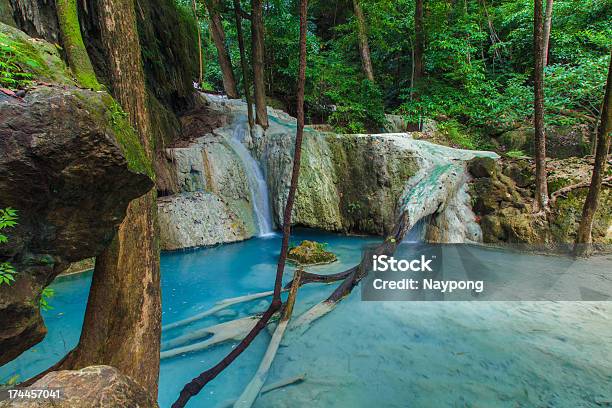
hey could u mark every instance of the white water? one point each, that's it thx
(256, 179)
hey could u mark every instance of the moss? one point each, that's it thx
(310, 253)
(70, 29)
(30, 59)
(568, 212)
(128, 139)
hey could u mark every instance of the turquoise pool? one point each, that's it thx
(363, 354)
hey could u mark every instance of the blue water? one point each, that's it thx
(363, 354)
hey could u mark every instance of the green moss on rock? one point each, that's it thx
(128, 139)
(310, 253)
(37, 59)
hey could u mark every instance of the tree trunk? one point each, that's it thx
(218, 35)
(419, 42)
(196, 385)
(364, 47)
(244, 65)
(72, 40)
(541, 201)
(200, 62)
(547, 27)
(122, 324)
(259, 82)
(584, 234)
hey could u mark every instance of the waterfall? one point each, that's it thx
(256, 179)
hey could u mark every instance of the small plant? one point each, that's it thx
(45, 295)
(516, 154)
(8, 219)
(11, 74)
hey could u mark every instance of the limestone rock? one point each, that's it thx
(197, 219)
(63, 166)
(90, 387)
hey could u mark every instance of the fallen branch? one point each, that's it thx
(308, 277)
(217, 307)
(274, 386)
(356, 274)
(252, 390)
(565, 190)
(233, 330)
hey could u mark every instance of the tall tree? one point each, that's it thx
(257, 48)
(541, 199)
(419, 43)
(364, 47)
(547, 27)
(200, 60)
(196, 385)
(584, 234)
(122, 324)
(218, 36)
(243, 63)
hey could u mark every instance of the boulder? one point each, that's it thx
(69, 164)
(90, 387)
(310, 253)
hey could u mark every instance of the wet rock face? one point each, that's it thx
(90, 387)
(63, 169)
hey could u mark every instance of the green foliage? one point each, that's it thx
(478, 62)
(46, 294)
(8, 219)
(11, 74)
(516, 154)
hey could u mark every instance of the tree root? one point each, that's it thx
(565, 190)
(217, 307)
(232, 330)
(274, 386)
(253, 389)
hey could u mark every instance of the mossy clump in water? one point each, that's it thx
(310, 253)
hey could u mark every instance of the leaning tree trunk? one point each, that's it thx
(547, 27)
(196, 385)
(72, 40)
(259, 83)
(419, 42)
(364, 47)
(122, 324)
(541, 199)
(243, 64)
(584, 234)
(218, 35)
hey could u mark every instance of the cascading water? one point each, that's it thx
(256, 179)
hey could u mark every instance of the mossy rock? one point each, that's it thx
(31, 59)
(310, 253)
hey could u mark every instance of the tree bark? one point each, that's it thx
(584, 234)
(200, 61)
(244, 65)
(218, 36)
(122, 325)
(257, 48)
(364, 47)
(547, 27)
(72, 40)
(541, 201)
(419, 42)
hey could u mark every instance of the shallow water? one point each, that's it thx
(364, 354)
